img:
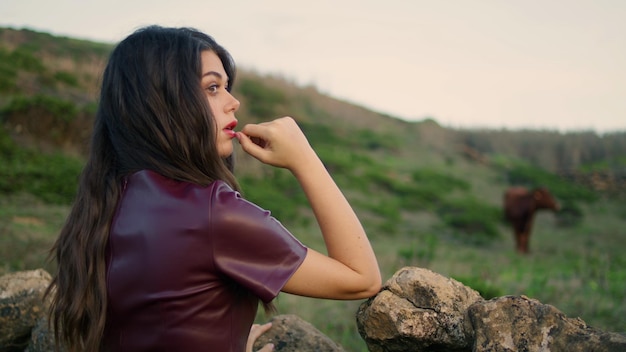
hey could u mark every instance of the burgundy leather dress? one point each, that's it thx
(186, 266)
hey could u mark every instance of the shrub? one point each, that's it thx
(439, 182)
(426, 190)
(569, 215)
(485, 289)
(49, 120)
(373, 141)
(562, 189)
(8, 73)
(278, 192)
(420, 252)
(320, 135)
(262, 100)
(66, 78)
(25, 60)
(50, 177)
(473, 221)
(58, 109)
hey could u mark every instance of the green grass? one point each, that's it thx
(28, 228)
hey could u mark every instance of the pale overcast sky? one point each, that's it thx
(540, 64)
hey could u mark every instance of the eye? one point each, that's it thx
(213, 88)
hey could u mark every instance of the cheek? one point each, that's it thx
(217, 108)
(212, 104)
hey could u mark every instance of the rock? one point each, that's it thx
(513, 323)
(21, 306)
(289, 333)
(42, 338)
(418, 310)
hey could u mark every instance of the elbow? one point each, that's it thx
(371, 289)
(376, 286)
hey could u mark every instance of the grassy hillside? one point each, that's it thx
(428, 196)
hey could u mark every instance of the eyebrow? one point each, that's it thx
(213, 73)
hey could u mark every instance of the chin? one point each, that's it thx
(225, 152)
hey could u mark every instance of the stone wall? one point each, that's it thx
(419, 310)
(416, 310)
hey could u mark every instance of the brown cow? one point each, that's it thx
(520, 205)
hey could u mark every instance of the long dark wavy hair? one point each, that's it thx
(152, 114)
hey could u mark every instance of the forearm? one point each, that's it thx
(345, 239)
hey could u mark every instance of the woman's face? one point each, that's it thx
(223, 105)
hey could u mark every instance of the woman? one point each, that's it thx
(160, 252)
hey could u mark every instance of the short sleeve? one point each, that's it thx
(250, 246)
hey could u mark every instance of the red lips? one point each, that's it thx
(230, 129)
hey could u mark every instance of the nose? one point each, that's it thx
(233, 104)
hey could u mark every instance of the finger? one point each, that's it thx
(260, 329)
(257, 330)
(256, 130)
(267, 348)
(246, 141)
(258, 141)
(250, 147)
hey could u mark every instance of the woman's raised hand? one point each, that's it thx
(278, 143)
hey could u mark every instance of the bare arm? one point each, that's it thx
(350, 271)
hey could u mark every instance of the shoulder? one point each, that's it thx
(228, 205)
(157, 182)
(221, 188)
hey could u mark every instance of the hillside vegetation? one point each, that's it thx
(427, 195)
